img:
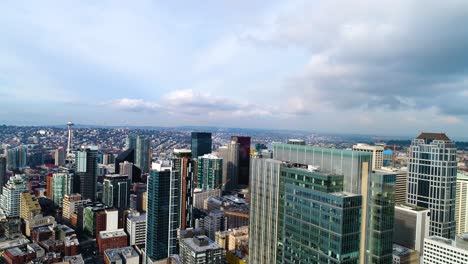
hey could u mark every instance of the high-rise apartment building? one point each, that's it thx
(10, 199)
(29, 206)
(17, 157)
(116, 191)
(62, 184)
(86, 162)
(377, 153)
(143, 154)
(210, 172)
(200, 249)
(411, 226)
(201, 144)
(244, 159)
(432, 174)
(162, 212)
(461, 204)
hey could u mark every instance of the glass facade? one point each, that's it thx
(143, 154)
(210, 172)
(380, 218)
(336, 161)
(201, 144)
(311, 218)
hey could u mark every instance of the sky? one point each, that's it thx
(390, 67)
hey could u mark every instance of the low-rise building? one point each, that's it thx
(112, 239)
(200, 249)
(126, 255)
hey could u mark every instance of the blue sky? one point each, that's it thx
(388, 67)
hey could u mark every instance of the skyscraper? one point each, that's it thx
(62, 184)
(59, 156)
(377, 153)
(70, 138)
(432, 175)
(130, 142)
(201, 144)
(244, 159)
(183, 166)
(116, 191)
(86, 172)
(162, 212)
(264, 206)
(461, 204)
(143, 154)
(126, 168)
(129, 157)
(3, 173)
(10, 198)
(230, 155)
(210, 172)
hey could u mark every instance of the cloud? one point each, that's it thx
(367, 55)
(188, 102)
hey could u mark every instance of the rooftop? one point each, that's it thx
(137, 217)
(401, 250)
(200, 243)
(113, 233)
(433, 136)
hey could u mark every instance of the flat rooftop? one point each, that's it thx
(113, 233)
(200, 243)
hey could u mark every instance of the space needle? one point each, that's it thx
(70, 136)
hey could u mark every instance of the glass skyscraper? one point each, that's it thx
(162, 212)
(432, 177)
(243, 159)
(143, 154)
(201, 144)
(86, 162)
(210, 172)
(116, 191)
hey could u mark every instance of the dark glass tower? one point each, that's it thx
(86, 171)
(129, 156)
(183, 167)
(244, 159)
(162, 213)
(201, 144)
(3, 179)
(117, 191)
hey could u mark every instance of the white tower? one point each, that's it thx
(70, 136)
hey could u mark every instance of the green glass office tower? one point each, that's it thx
(201, 144)
(210, 172)
(329, 219)
(379, 217)
(143, 154)
(162, 212)
(116, 191)
(62, 184)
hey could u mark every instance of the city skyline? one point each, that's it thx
(366, 67)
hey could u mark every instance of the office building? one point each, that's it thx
(116, 191)
(439, 250)
(264, 208)
(29, 206)
(183, 168)
(378, 217)
(10, 199)
(411, 226)
(461, 204)
(3, 173)
(233, 239)
(201, 144)
(210, 172)
(432, 175)
(143, 154)
(199, 196)
(377, 153)
(403, 255)
(315, 201)
(244, 159)
(162, 212)
(213, 222)
(59, 156)
(230, 156)
(123, 161)
(16, 157)
(62, 184)
(71, 203)
(111, 239)
(130, 142)
(200, 249)
(296, 142)
(136, 229)
(86, 172)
